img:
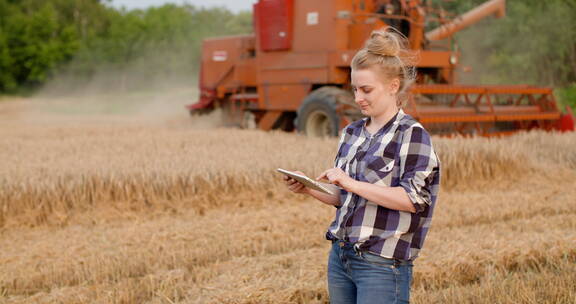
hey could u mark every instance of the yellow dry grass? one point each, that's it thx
(140, 213)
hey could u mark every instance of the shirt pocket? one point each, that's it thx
(379, 168)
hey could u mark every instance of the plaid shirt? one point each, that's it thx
(400, 154)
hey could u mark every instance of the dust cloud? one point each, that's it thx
(474, 55)
(112, 96)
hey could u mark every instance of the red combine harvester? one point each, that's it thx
(294, 72)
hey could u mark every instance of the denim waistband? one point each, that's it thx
(348, 245)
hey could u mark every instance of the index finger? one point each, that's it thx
(323, 175)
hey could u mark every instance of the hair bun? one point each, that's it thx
(383, 43)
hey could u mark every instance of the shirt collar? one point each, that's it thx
(394, 121)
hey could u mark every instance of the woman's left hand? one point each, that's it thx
(338, 177)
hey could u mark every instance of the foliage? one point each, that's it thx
(567, 96)
(80, 38)
(33, 41)
(534, 44)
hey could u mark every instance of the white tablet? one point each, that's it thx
(308, 182)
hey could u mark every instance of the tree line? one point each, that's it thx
(41, 39)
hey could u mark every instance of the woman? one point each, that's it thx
(386, 177)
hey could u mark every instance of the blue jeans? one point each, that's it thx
(366, 278)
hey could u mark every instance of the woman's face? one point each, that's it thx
(374, 95)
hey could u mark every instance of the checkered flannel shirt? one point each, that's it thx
(400, 154)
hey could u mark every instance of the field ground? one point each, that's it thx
(100, 209)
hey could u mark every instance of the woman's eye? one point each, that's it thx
(367, 91)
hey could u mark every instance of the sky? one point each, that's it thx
(232, 5)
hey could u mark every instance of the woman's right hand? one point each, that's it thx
(296, 186)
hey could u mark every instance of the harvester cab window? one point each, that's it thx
(393, 8)
(250, 53)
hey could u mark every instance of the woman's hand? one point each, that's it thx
(339, 178)
(296, 186)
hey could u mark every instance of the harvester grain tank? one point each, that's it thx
(294, 71)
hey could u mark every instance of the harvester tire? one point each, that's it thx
(317, 116)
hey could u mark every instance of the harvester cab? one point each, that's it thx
(293, 72)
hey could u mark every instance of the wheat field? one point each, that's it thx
(97, 210)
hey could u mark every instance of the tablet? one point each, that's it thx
(308, 182)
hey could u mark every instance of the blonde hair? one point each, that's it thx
(387, 50)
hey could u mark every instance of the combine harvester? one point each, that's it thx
(294, 72)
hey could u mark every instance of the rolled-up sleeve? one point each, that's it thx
(419, 167)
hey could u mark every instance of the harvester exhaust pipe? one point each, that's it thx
(496, 7)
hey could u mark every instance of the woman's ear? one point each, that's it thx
(394, 86)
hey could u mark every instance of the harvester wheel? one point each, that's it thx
(317, 116)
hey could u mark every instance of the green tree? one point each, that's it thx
(158, 43)
(33, 42)
(536, 43)
(80, 38)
